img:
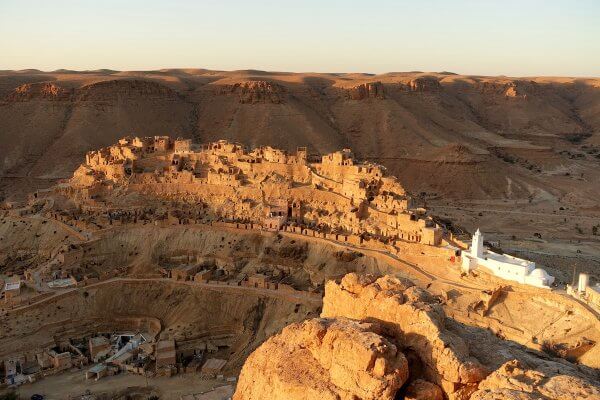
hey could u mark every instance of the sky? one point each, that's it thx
(480, 37)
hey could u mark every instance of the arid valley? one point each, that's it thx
(198, 234)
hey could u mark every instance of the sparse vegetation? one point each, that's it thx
(576, 138)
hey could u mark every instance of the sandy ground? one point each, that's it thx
(559, 240)
(72, 383)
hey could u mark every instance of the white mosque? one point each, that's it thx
(504, 266)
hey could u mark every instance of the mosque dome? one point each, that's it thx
(539, 273)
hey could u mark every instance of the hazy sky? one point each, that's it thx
(526, 37)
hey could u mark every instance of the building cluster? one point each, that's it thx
(141, 354)
(125, 352)
(266, 186)
(201, 273)
(35, 365)
(503, 265)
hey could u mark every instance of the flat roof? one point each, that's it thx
(204, 271)
(97, 368)
(12, 286)
(61, 283)
(185, 268)
(99, 340)
(508, 259)
(122, 357)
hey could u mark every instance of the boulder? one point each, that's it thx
(414, 320)
(423, 390)
(324, 359)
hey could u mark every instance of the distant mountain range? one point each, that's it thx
(464, 137)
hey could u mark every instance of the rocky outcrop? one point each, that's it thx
(415, 321)
(385, 338)
(369, 90)
(513, 89)
(324, 359)
(423, 85)
(514, 381)
(486, 300)
(253, 92)
(39, 91)
(423, 390)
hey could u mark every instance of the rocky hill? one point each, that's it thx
(397, 345)
(518, 134)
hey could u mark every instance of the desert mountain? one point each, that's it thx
(459, 136)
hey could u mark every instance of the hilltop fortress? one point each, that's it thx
(265, 186)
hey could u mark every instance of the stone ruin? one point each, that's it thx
(333, 193)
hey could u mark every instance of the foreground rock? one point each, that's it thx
(384, 338)
(423, 390)
(324, 359)
(412, 316)
(334, 356)
(514, 381)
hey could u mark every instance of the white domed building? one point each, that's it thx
(503, 265)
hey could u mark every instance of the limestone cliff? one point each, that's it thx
(373, 90)
(120, 89)
(423, 84)
(253, 92)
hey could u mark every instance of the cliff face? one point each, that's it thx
(363, 91)
(424, 85)
(118, 90)
(254, 92)
(45, 126)
(386, 339)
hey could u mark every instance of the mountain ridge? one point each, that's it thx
(528, 130)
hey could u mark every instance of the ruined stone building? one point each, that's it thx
(265, 186)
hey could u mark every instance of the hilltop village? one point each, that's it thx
(160, 182)
(267, 187)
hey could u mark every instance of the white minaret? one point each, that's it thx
(477, 245)
(584, 282)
